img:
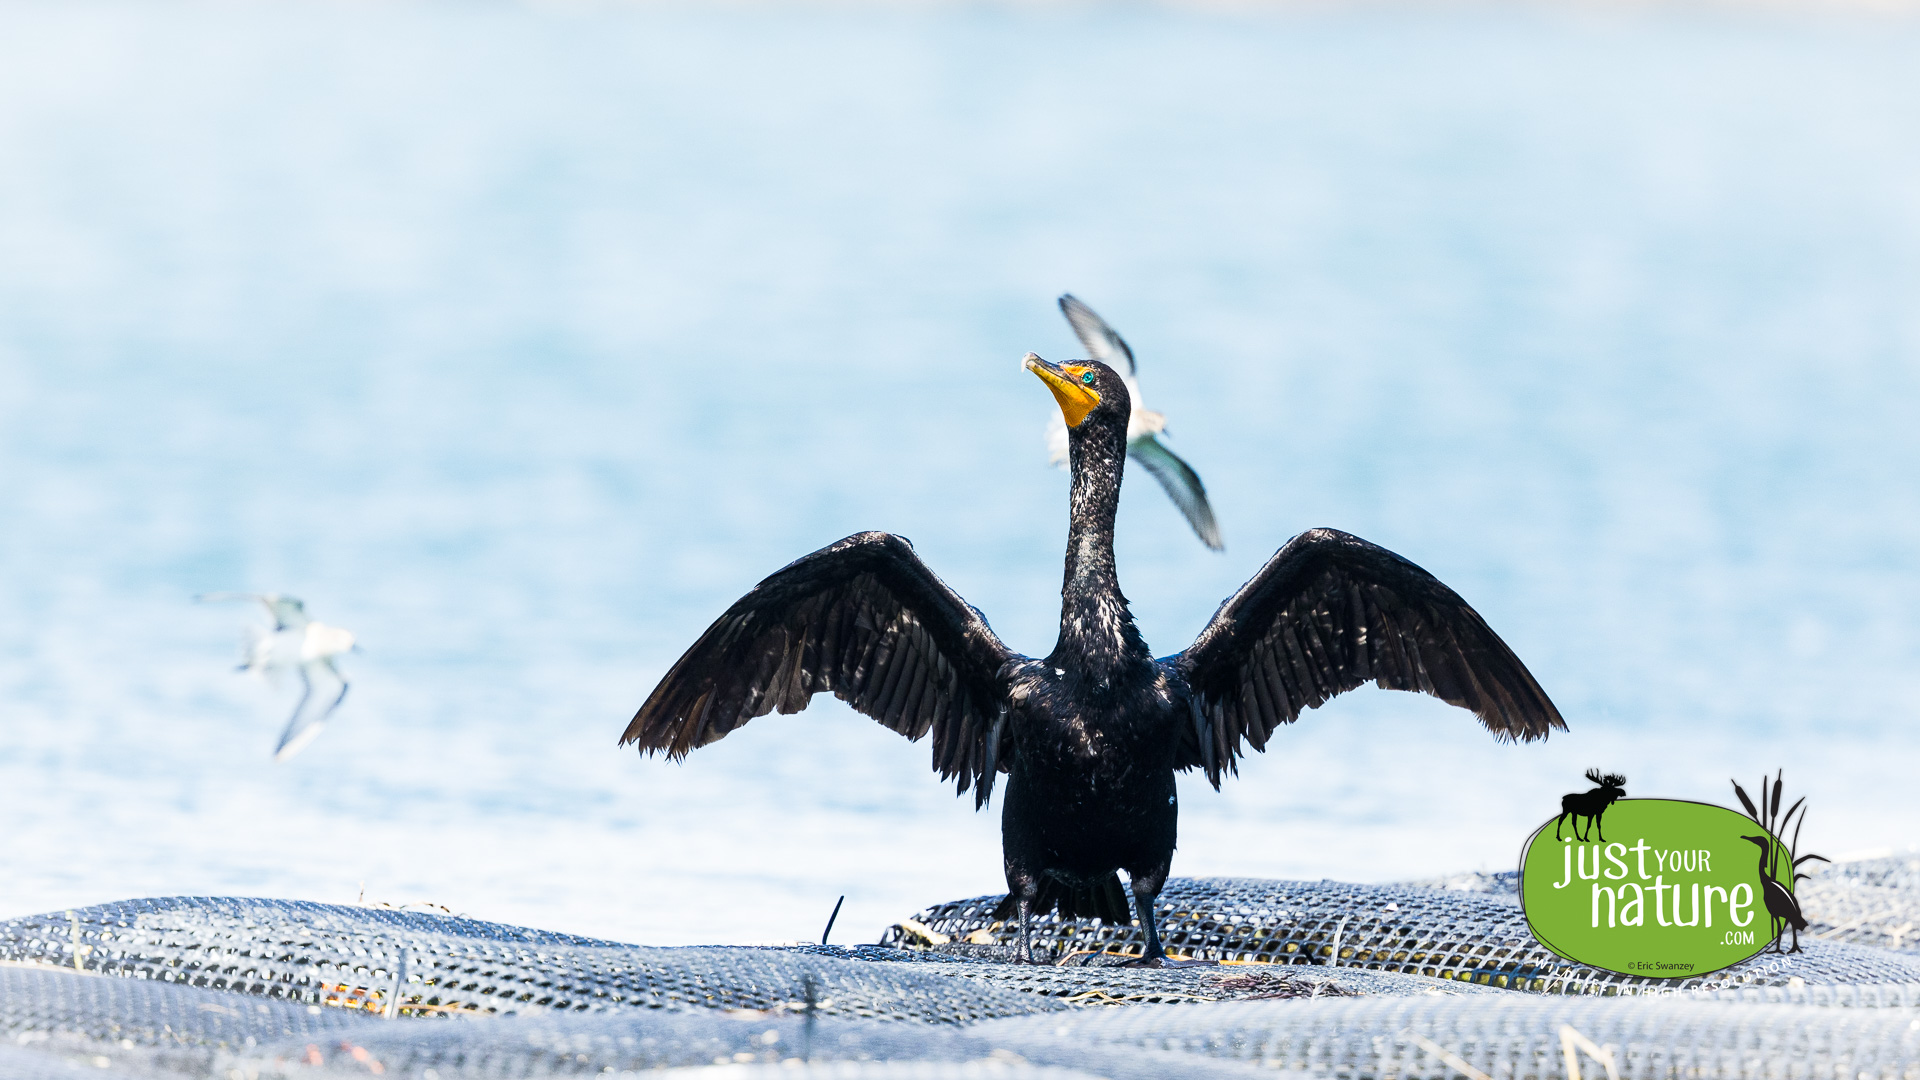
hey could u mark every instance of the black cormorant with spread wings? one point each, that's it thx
(1090, 736)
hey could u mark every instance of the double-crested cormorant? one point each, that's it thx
(306, 646)
(1092, 735)
(1144, 426)
(1781, 906)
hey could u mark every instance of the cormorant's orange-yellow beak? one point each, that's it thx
(1075, 397)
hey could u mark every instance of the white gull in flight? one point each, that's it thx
(302, 644)
(1144, 426)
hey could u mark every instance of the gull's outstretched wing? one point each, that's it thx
(314, 708)
(287, 612)
(1183, 487)
(1102, 343)
(1330, 612)
(863, 618)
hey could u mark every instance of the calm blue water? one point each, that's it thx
(521, 340)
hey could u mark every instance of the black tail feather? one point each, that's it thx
(1105, 900)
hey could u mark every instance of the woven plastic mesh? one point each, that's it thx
(584, 1045)
(1869, 902)
(1509, 1036)
(155, 1014)
(1459, 935)
(21, 1064)
(1334, 980)
(53, 1020)
(1866, 901)
(402, 963)
(1104, 983)
(1504, 883)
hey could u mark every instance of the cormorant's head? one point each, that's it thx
(1083, 388)
(1760, 840)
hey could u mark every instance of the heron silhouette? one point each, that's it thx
(1781, 905)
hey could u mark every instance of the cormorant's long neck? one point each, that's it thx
(1096, 628)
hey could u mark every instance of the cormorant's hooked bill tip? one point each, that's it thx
(1071, 386)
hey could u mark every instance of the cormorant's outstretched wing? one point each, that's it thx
(1329, 612)
(1102, 343)
(1183, 487)
(863, 618)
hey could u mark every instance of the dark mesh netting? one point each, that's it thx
(1868, 902)
(134, 1026)
(1462, 935)
(53, 1020)
(1323, 978)
(1102, 982)
(1511, 1035)
(402, 963)
(588, 1045)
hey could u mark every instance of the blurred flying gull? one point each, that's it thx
(1144, 426)
(299, 643)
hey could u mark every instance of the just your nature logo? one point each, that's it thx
(1664, 888)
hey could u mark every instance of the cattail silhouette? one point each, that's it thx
(1591, 804)
(1779, 899)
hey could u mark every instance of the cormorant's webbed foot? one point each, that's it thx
(1165, 961)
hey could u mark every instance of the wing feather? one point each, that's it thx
(1182, 485)
(919, 665)
(1258, 679)
(1331, 612)
(1101, 342)
(863, 619)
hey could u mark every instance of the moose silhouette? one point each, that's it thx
(1590, 804)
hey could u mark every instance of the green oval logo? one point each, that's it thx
(1659, 888)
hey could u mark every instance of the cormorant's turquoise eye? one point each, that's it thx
(1087, 377)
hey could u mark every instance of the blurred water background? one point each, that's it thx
(523, 339)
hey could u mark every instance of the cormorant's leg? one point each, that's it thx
(1146, 890)
(1143, 907)
(1027, 889)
